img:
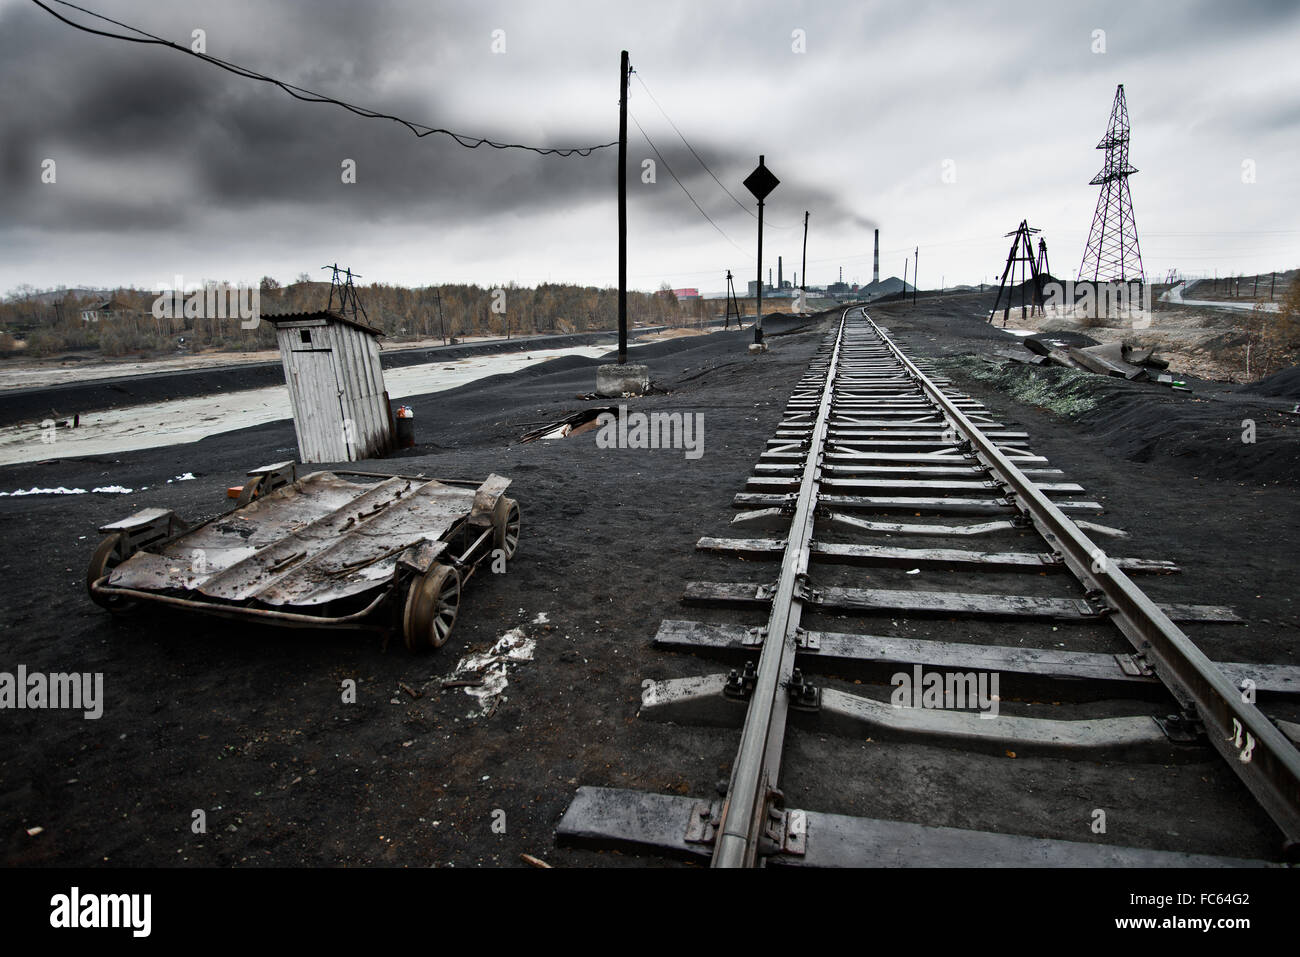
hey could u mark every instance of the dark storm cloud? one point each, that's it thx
(244, 144)
(159, 147)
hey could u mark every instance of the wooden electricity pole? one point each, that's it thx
(623, 70)
(916, 268)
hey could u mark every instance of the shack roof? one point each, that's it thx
(327, 316)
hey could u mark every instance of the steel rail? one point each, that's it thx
(1265, 760)
(756, 771)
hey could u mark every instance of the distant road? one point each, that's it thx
(1175, 296)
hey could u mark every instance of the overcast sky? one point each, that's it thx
(166, 165)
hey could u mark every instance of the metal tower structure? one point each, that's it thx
(1112, 253)
(733, 307)
(341, 287)
(1021, 255)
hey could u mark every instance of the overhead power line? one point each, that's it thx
(698, 159)
(309, 96)
(655, 149)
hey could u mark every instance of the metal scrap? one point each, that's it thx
(573, 424)
(1117, 359)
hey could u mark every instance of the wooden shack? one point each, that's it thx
(341, 411)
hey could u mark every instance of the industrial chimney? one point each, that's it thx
(780, 274)
(875, 269)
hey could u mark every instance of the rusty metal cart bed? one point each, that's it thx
(318, 551)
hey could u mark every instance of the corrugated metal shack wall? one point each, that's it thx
(361, 379)
(336, 388)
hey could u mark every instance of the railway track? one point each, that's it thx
(874, 463)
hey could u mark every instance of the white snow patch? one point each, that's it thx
(187, 477)
(541, 618)
(492, 666)
(115, 489)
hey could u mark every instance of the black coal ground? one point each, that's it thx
(248, 724)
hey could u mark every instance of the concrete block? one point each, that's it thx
(616, 380)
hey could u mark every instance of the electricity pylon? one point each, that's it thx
(1112, 253)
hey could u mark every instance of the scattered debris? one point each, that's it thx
(409, 690)
(489, 670)
(574, 424)
(535, 861)
(33, 831)
(1118, 359)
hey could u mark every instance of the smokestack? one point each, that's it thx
(780, 273)
(875, 269)
(769, 277)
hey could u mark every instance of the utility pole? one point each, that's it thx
(803, 270)
(916, 270)
(906, 263)
(442, 320)
(623, 70)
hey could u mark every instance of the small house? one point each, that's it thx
(109, 309)
(341, 410)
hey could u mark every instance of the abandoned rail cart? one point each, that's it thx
(317, 552)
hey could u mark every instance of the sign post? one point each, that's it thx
(761, 182)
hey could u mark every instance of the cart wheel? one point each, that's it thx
(505, 522)
(250, 491)
(431, 606)
(101, 563)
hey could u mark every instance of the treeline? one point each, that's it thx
(39, 323)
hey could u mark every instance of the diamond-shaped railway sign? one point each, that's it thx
(761, 181)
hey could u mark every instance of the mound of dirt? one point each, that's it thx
(1282, 385)
(1205, 434)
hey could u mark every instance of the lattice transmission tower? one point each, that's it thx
(1112, 253)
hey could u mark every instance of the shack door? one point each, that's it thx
(323, 435)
